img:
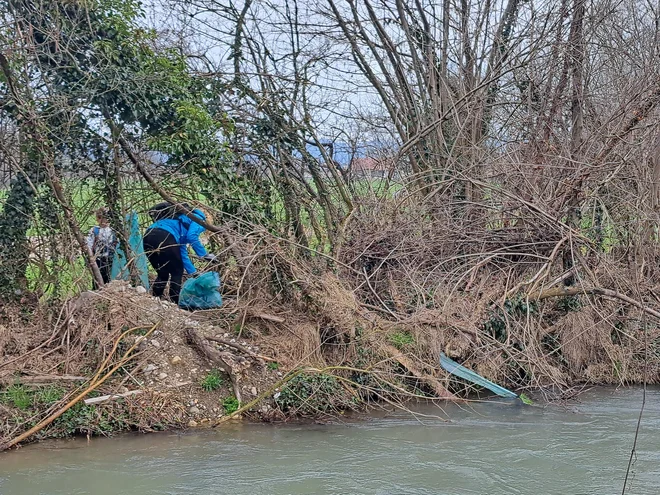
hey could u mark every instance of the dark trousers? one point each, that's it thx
(164, 255)
(105, 267)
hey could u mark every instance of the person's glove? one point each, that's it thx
(209, 257)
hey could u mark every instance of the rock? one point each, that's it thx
(192, 423)
(279, 373)
(162, 376)
(123, 390)
(194, 410)
(140, 290)
(253, 391)
(156, 344)
(176, 360)
(206, 420)
(226, 335)
(150, 368)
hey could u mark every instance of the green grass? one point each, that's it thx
(24, 398)
(212, 381)
(230, 404)
(17, 396)
(273, 365)
(49, 395)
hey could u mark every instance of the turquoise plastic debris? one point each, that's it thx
(453, 368)
(120, 268)
(201, 292)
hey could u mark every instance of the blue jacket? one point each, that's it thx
(185, 232)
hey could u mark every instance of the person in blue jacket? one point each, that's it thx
(166, 246)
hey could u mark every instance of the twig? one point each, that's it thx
(575, 291)
(239, 347)
(103, 398)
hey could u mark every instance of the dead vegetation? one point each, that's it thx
(296, 339)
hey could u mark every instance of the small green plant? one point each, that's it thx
(526, 400)
(230, 404)
(49, 395)
(517, 307)
(18, 396)
(569, 303)
(273, 365)
(401, 340)
(212, 381)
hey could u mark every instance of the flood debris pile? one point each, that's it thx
(170, 368)
(295, 340)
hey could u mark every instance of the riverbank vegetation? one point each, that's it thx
(384, 181)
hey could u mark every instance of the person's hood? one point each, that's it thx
(199, 213)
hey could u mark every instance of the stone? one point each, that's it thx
(156, 344)
(192, 423)
(150, 368)
(206, 420)
(253, 391)
(194, 410)
(162, 376)
(140, 290)
(176, 360)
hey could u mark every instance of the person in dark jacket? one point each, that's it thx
(166, 246)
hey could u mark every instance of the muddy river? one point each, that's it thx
(484, 448)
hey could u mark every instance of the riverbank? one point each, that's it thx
(118, 359)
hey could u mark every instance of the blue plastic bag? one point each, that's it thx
(120, 268)
(201, 292)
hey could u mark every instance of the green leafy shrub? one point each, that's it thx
(496, 325)
(309, 394)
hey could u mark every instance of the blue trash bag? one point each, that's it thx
(201, 292)
(120, 268)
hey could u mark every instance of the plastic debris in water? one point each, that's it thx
(453, 368)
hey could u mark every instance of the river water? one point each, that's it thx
(484, 448)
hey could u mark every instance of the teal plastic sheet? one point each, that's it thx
(120, 267)
(453, 368)
(201, 292)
